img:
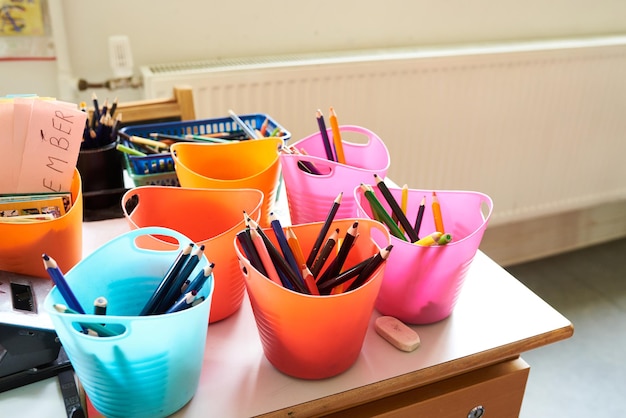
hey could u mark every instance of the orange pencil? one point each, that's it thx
(294, 244)
(336, 137)
(437, 214)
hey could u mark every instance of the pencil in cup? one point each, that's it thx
(344, 259)
(309, 196)
(309, 336)
(158, 358)
(422, 283)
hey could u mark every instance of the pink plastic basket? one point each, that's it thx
(421, 284)
(311, 196)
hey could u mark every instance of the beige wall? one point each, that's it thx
(170, 31)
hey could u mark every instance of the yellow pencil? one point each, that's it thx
(336, 137)
(149, 142)
(404, 202)
(428, 240)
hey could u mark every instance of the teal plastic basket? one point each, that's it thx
(152, 368)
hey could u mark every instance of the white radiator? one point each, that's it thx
(540, 127)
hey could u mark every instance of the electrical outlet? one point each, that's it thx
(120, 56)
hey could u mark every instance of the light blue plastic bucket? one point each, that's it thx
(152, 368)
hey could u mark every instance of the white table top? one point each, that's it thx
(495, 316)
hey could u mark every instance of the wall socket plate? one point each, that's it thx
(120, 56)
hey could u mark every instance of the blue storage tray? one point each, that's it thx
(163, 163)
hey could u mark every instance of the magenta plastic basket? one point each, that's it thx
(421, 284)
(311, 196)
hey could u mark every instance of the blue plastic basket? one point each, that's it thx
(163, 163)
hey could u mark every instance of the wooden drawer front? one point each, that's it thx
(499, 389)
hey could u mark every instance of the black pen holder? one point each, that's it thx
(101, 170)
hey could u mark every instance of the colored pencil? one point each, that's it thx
(420, 215)
(101, 330)
(183, 303)
(378, 209)
(337, 137)
(129, 150)
(327, 286)
(100, 306)
(284, 245)
(279, 261)
(213, 139)
(430, 239)
(59, 280)
(309, 164)
(250, 252)
(324, 230)
(437, 214)
(319, 262)
(150, 142)
(174, 291)
(336, 265)
(113, 107)
(203, 275)
(166, 282)
(324, 133)
(96, 111)
(395, 208)
(264, 255)
(294, 244)
(309, 280)
(404, 202)
(371, 267)
(249, 131)
(263, 130)
(444, 239)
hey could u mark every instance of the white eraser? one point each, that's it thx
(397, 333)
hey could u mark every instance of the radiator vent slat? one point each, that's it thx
(539, 127)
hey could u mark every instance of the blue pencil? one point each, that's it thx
(284, 247)
(201, 278)
(167, 281)
(174, 291)
(327, 147)
(184, 302)
(59, 280)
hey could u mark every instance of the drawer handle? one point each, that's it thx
(476, 412)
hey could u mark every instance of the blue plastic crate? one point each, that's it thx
(163, 163)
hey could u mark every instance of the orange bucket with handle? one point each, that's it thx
(22, 244)
(312, 336)
(207, 216)
(250, 164)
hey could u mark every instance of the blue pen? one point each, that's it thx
(59, 280)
